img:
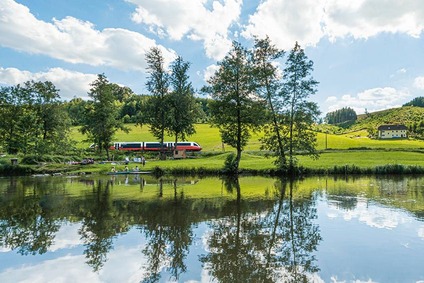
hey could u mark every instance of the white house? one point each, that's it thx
(392, 132)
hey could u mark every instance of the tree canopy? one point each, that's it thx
(32, 119)
(417, 101)
(236, 110)
(101, 116)
(339, 116)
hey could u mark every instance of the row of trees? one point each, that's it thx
(249, 93)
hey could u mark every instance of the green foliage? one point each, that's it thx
(341, 116)
(265, 56)
(75, 109)
(300, 113)
(156, 112)
(15, 170)
(417, 101)
(234, 109)
(32, 118)
(132, 108)
(183, 108)
(410, 116)
(101, 119)
(230, 165)
(203, 108)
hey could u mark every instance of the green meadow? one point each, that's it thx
(209, 138)
(353, 148)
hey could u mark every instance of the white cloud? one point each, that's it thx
(67, 237)
(307, 21)
(419, 82)
(73, 40)
(374, 99)
(286, 22)
(191, 19)
(401, 71)
(373, 216)
(69, 83)
(210, 71)
(366, 18)
(421, 232)
(73, 269)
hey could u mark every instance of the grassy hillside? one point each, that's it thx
(402, 115)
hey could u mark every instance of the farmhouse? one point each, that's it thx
(392, 131)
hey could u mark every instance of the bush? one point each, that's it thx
(230, 164)
(15, 170)
(37, 159)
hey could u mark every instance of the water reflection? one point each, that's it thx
(250, 229)
(167, 229)
(273, 244)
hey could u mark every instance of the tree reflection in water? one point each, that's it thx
(275, 245)
(250, 240)
(168, 230)
(101, 222)
(27, 221)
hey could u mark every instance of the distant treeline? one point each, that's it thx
(418, 101)
(340, 116)
(130, 106)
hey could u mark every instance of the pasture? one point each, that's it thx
(210, 140)
(354, 148)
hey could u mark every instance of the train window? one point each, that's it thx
(153, 145)
(131, 145)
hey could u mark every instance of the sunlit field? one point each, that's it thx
(209, 138)
(347, 149)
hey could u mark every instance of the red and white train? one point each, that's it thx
(155, 146)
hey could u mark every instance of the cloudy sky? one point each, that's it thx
(368, 54)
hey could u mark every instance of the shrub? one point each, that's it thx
(230, 164)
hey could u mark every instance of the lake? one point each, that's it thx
(252, 229)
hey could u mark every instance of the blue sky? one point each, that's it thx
(368, 54)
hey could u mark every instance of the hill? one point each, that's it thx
(407, 115)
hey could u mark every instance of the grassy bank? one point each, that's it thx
(330, 162)
(352, 152)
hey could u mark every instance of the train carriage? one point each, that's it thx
(155, 146)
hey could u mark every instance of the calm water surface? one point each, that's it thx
(251, 229)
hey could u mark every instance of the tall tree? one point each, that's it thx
(268, 80)
(298, 86)
(181, 101)
(157, 108)
(101, 117)
(12, 105)
(53, 122)
(235, 108)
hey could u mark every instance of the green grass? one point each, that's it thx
(379, 153)
(210, 140)
(359, 139)
(364, 159)
(327, 160)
